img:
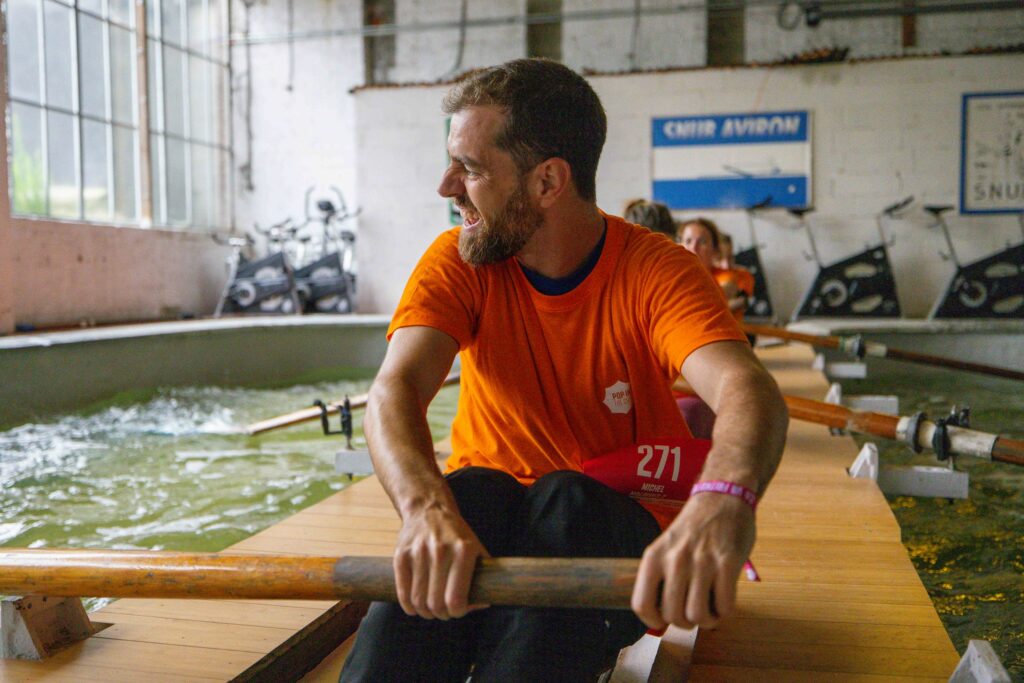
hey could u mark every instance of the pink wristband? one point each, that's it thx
(727, 487)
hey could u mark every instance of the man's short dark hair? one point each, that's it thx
(550, 111)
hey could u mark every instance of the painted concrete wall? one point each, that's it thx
(430, 55)
(882, 130)
(871, 36)
(68, 273)
(676, 39)
(302, 119)
(6, 260)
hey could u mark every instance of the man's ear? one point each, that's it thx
(552, 178)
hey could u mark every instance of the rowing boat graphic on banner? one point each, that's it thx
(732, 160)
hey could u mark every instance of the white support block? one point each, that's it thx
(865, 466)
(353, 463)
(980, 664)
(839, 369)
(874, 403)
(926, 482)
(835, 394)
(38, 626)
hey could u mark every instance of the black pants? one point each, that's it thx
(564, 514)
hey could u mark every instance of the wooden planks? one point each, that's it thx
(839, 598)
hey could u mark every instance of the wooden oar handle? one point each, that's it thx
(527, 581)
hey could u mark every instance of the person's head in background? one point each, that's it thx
(653, 215)
(700, 236)
(726, 258)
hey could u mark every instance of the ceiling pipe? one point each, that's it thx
(837, 9)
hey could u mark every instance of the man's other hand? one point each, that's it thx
(687, 577)
(435, 558)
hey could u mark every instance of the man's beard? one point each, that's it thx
(504, 236)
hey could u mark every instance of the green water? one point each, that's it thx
(172, 472)
(969, 553)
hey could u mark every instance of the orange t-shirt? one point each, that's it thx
(741, 277)
(551, 381)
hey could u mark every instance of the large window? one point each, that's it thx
(75, 111)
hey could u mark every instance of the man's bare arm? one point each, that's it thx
(699, 557)
(436, 551)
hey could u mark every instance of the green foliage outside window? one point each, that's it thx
(29, 190)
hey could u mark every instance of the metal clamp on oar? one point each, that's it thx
(344, 412)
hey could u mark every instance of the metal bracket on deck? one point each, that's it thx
(38, 626)
(842, 370)
(926, 482)
(980, 664)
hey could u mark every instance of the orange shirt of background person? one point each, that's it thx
(702, 237)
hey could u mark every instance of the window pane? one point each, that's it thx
(23, 48)
(155, 85)
(174, 96)
(94, 6)
(201, 192)
(28, 180)
(92, 78)
(217, 43)
(221, 188)
(60, 144)
(122, 12)
(177, 187)
(156, 170)
(57, 21)
(170, 15)
(95, 183)
(153, 18)
(124, 175)
(122, 74)
(199, 101)
(197, 31)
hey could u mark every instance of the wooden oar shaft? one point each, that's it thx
(962, 441)
(882, 351)
(534, 582)
(307, 414)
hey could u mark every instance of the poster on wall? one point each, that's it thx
(992, 153)
(732, 161)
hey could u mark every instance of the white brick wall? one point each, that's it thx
(871, 36)
(882, 130)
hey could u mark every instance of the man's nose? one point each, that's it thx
(451, 184)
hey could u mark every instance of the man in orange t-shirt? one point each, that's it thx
(570, 325)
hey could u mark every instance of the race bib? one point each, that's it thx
(655, 470)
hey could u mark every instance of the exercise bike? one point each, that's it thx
(991, 287)
(861, 285)
(760, 304)
(261, 286)
(328, 283)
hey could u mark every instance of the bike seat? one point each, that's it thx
(937, 209)
(801, 212)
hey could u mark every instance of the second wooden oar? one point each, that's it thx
(916, 431)
(307, 414)
(526, 581)
(855, 346)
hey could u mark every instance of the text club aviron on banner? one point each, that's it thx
(732, 160)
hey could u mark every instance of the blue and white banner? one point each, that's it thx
(732, 160)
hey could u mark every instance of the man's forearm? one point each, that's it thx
(750, 429)
(402, 448)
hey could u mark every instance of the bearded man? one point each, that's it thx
(571, 325)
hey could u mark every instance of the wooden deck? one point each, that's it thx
(839, 599)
